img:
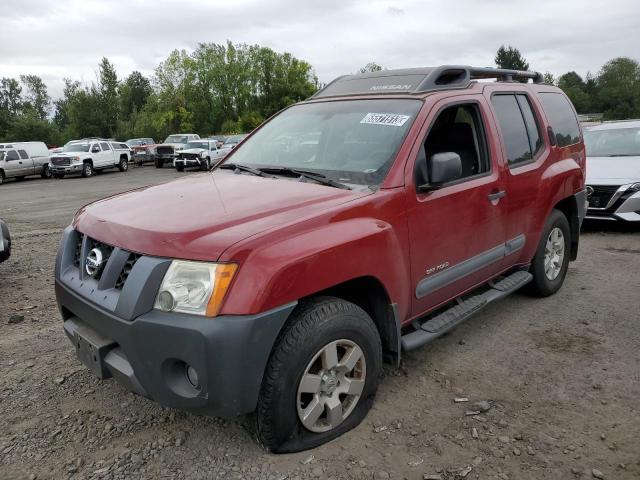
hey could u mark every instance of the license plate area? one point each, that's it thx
(91, 349)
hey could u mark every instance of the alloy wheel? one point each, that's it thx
(331, 385)
(554, 253)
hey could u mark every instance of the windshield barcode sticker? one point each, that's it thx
(391, 119)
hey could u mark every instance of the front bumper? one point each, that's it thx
(73, 168)
(623, 205)
(148, 351)
(187, 162)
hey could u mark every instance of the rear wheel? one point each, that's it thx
(87, 170)
(551, 261)
(123, 166)
(321, 378)
(1, 177)
(46, 173)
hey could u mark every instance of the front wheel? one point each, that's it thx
(551, 261)
(205, 165)
(123, 166)
(179, 168)
(87, 170)
(321, 378)
(46, 173)
(159, 163)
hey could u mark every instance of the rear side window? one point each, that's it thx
(105, 147)
(561, 117)
(23, 154)
(513, 128)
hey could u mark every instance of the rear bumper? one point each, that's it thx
(149, 354)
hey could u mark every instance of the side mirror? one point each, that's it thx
(444, 167)
(5, 242)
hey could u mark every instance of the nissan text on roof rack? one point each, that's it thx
(348, 229)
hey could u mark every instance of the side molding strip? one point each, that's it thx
(446, 277)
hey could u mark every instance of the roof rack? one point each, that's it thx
(421, 80)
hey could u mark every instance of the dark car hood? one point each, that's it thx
(199, 216)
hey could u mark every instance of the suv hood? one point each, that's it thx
(193, 150)
(198, 217)
(613, 170)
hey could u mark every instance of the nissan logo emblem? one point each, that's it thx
(94, 262)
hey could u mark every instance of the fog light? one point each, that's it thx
(192, 376)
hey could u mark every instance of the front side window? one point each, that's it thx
(617, 142)
(458, 129)
(12, 155)
(352, 141)
(513, 129)
(204, 145)
(561, 117)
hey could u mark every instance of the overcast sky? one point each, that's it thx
(67, 38)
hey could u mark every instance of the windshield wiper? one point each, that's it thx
(318, 177)
(243, 168)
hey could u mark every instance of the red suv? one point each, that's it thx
(361, 223)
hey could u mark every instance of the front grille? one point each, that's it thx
(165, 150)
(60, 161)
(107, 251)
(126, 270)
(189, 156)
(601, 195)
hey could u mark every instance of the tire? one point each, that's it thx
(206, 165)
(549, 266)
(87, 170)
(179, 168)
(123, 166)
(1, 177)
(321, 324)
(159, 163)
(46, 173)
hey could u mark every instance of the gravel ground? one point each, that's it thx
(559, 379)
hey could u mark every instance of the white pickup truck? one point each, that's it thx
(86, 157)
(21, 159)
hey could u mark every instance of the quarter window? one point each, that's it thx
(23, 154)
(561, 117)
(513, 128)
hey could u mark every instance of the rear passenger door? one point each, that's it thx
(525, 152)
(106, 156)
(457, 231)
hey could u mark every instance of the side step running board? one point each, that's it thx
(442, 323)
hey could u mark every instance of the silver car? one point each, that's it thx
(613, 171)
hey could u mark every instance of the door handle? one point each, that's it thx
(496, 196)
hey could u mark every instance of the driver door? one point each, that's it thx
(457, 230)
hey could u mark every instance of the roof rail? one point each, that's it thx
(421, 80)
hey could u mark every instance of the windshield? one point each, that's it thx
(204, 145)
(176, 139)
(76, 147)
(133, 143)
(351, 141)
(620, 142)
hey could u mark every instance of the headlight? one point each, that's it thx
(76, 158)
(194, 287)
(635, 187)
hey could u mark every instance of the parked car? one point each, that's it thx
(166, 152)
(613, 171)
(219, 139)
(88, 156)
(280, 282)
(5, 241)
(143, 150)
(202, 154)
(22, 159)
(230, 143)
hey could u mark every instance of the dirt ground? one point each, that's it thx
(562, 375)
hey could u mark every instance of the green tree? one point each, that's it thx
(370, 67)
(107, 92)
(573, 85)
(134, 92)
(549, 79)
(618, 85)
(36, 98)
(510, 58)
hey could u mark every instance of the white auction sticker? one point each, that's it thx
(391, 119)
